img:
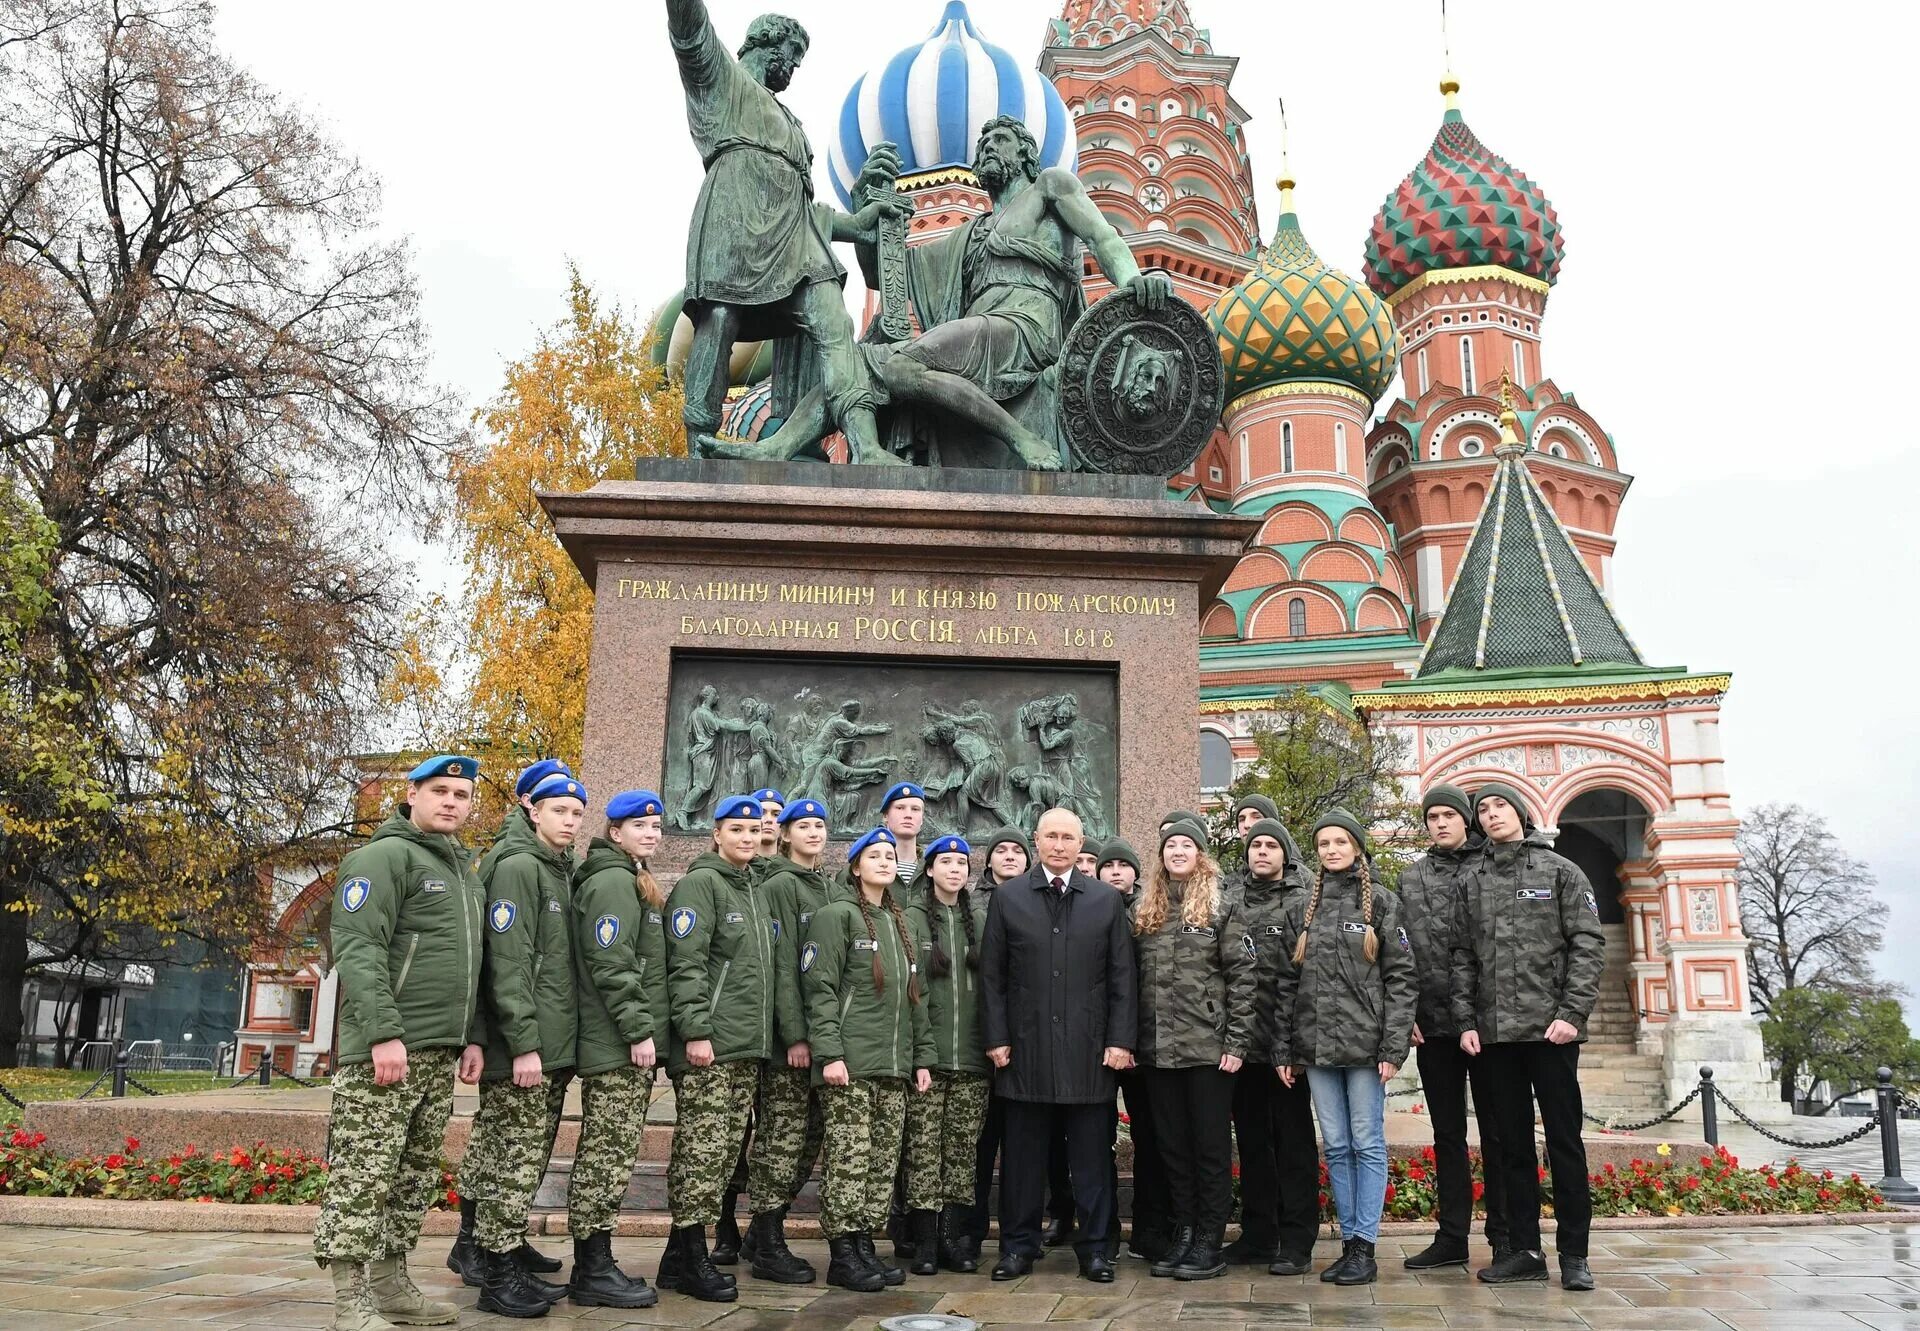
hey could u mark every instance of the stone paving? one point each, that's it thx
(1753, 1279)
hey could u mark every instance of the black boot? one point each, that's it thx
(1174, 1254)
(672, 1264)
(1203, 1260)
(546, 1289)
(924, 1229)
(1361, 1267)
(463, 1259)
(697, 1275)
(771, 1258)
(848, 1269)
(955, 1248)
(1059, 1230)
(599, 1283)
(900, 1230)
(892, 1274)
(504, 1289)
(1251, 1249)
(726, 1233)
(531, 1259)
(1332, 1273)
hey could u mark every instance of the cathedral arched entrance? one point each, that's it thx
(1600, 830)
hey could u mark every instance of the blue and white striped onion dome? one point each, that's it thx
(931, 100)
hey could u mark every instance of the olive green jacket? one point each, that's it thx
(620, 954)
(406, 941)
(721, 967)
(527, 993)
(1197, 986)
(793, 896)
(1430, 907)
(879, 1033)
(954, 1005)
(1337, 1009)
(1529, 950)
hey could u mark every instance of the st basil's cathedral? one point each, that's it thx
(1437, 512)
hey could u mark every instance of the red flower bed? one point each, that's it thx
(261, 1174)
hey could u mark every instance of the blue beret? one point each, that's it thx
(556, 786)
(736, 806)
(769, 796)
(447, 764)
(947, 845)
(534, 775)
(633, 804)
(804, 809)
(874, 838)
(904, 790)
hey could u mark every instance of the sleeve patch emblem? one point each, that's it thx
(807, 954)
(1251, 948)
(1593, 907)
(606, 929)
(683, 921)
(1406, 944)
(501, 914)
(775, 926)
(354, 893)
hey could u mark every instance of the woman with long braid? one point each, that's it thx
(943, 1126)
(1345, 988)
(870, 1039)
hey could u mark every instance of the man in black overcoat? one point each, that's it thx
(1058, 976)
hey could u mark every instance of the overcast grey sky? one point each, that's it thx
(1732, 180)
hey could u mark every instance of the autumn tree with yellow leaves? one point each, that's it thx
(578, 408)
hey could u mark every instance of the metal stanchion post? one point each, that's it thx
(266, 1067)
(119, 1069)
(1894, 1188)
(1709, 1108)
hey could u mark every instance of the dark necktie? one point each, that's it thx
(1059, 884)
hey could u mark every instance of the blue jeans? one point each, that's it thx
(1351, 1105)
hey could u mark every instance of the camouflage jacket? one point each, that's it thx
(1197, 987)
(406, 941)
(619, 951)
(1529, 950)
(1430, 909)
(793, 896)
(1263, 904)
(721, 971)
(527, 1001)
(1336, 1009)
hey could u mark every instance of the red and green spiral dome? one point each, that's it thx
(1462, 206)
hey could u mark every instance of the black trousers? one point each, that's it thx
(1059, 1184)
(1279, 1160)
(1152, 1204)
(985, 1155)
(1519, 1074)
(1445, 1074)
(1023, 1174)
(1193, 1121)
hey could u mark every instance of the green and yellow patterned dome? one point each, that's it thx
(1294, 319)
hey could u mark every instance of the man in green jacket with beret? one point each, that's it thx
(525, 1025)
(405, 937)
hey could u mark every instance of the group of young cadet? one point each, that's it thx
(812, 1009)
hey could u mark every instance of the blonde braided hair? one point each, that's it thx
(1371, 948)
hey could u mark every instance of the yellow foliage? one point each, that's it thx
(578, 408)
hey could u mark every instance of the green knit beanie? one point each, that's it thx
(1449, 796)
(1185, 827)
(1508, 793)
(1341, 818)
(1272, 827)
(1013, 834)
(1119, 849)
(1267, 808)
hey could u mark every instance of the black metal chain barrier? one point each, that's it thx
(1872, 1121)
(96, 1084)
(1612, 1126)
(12, 1099)
(1405, 1090)
(141, 1086)
(298, 1081)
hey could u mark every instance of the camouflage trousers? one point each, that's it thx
(613, 1120)
(711, 1106)
(383, 1149)
(943, 1139)
(788, 1129)
(865, 1122)
(507, 1156)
